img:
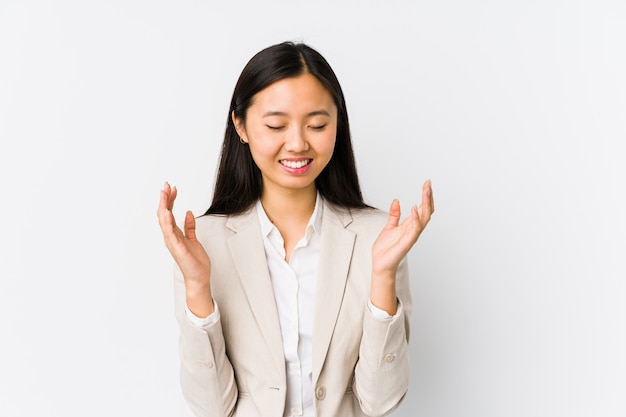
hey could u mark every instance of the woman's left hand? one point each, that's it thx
(397, 238)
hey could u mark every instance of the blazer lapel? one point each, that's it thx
(248, 252)
(337, 244)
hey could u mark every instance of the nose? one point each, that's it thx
(296, 141)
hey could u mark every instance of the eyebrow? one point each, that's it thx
(280, 113)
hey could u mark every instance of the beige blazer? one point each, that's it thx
(236, 366)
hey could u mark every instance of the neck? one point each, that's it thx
(290, 206)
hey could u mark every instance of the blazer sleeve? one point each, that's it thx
(207, 378)
(382, 371)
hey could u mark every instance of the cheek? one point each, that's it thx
(329, 147)
(259, 154)
(262, 149)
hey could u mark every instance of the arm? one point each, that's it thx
(382, 372)
(207, 376)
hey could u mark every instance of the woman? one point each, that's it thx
(292, 294)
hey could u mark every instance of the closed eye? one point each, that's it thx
(274, 127)
(321, 127)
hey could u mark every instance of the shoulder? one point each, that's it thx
(211, 229)
(360, 220)
(370, 220)
(220, 226)
(211, 222)
(369, 215)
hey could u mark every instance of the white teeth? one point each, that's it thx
(295, 164)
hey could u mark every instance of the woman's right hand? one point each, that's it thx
(188, 253)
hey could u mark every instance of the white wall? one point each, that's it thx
(516, 110)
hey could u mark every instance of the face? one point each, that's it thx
(291, 128)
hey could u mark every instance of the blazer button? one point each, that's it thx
(320, 393)
(389, 357)
(208, 364)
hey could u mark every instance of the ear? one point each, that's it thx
(239, 127)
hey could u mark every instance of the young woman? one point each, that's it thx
(292, 294)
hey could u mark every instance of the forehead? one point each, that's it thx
(302, 94)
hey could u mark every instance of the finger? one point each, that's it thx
(164, 196)
(425, 209)
(162, 209)
(414, 219)
(394, 213)
(412, 223)
(427, 192)
(190, 226)
(432, 198)
(164, 212)
(162, 203)
(166, 218)
(172, 196)
(411, 228)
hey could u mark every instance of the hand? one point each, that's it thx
(393, 243)
(396, 239)
(188, 253)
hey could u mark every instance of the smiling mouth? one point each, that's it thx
(295, 164)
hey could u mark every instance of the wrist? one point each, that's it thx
(383, 276)
(383, 292)
(199, 300)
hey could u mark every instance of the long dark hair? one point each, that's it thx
(239, 183)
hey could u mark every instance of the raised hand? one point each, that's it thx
(188, 253)
(394, 242)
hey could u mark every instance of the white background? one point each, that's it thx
(515, 109)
